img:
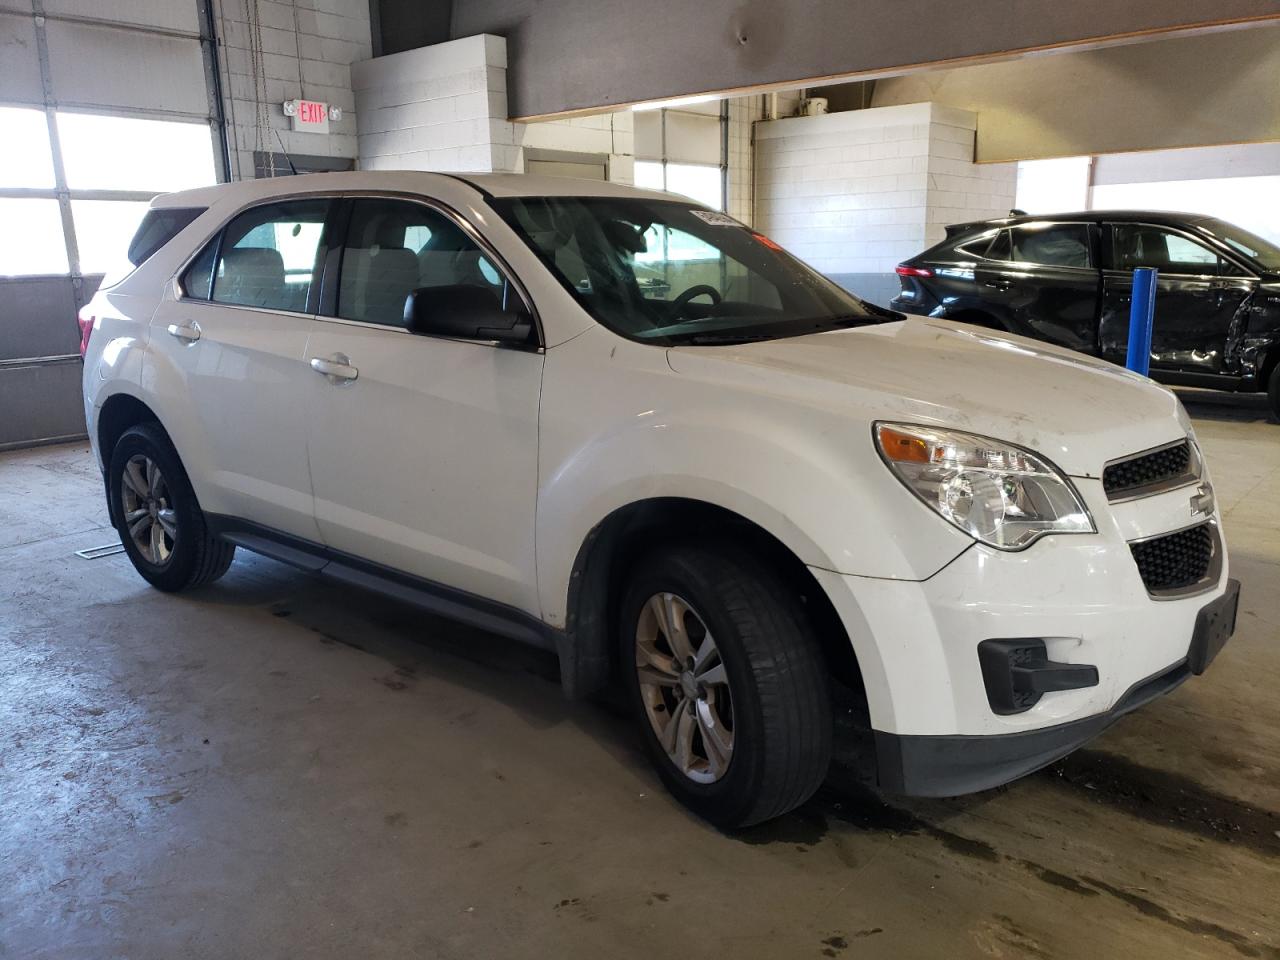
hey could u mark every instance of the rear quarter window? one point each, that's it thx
(157, 228)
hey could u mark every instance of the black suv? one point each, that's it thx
(1068, 279)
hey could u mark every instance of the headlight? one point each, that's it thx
(998, 493)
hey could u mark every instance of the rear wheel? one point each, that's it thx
(156, 514)
(727, 684)
(1273, 390)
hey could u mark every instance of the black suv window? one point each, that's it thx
(393, 248)
(1052, 244)
(1140, 245)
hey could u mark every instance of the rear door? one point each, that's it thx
(1043, 278)
(230, 348)
(1199, 295)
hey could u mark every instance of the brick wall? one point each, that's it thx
(855, 193)
(307, 47)
(744, 112)
(444, 107)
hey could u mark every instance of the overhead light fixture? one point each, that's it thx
(677, 102)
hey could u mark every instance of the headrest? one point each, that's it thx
(254, 261)
(447, 236)
(389, 234)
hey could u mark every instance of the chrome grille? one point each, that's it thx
(1151, 472)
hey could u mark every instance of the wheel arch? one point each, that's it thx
(119, 412)
(616, 542)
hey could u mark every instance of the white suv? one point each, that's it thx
(629, 429)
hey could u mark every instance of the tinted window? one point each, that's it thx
(198, 279)
(268, 256)
(393, 248)
(1139, 245)
(1251, 245)
(1001, 246)
(1052, 244)
(158, 227)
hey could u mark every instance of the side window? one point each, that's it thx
(1052, 244)
(393, 248)
(978, 246)
(1001, 247)
(198, 280)
(157, 228)
(268, 256)
(1139, 245)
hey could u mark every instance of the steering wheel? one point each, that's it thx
(701, 289)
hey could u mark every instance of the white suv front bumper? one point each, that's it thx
(938, 731)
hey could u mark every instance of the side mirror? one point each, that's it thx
(467, 312)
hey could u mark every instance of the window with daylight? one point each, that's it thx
(112, 167)
(697, 181)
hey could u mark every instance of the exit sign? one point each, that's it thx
(309, 115)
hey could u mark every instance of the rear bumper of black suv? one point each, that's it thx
(948, 766)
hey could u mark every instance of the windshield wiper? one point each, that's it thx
(785, 331)
(704, 339)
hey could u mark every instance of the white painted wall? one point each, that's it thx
(858, 192)
(444, 107)
(307, 48)
(1186, 91)
(1239, 183)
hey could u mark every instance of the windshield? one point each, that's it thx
(1265, 253)
(669, 272)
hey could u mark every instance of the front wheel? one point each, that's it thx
(1273, 391)
(727, 683)
(156, 514)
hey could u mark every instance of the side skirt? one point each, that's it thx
(434, 597)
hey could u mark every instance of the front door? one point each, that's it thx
(232, 340)
(1042, 279)
(1198, 296)
(424, 450)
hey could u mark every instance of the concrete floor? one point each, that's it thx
(280, 767)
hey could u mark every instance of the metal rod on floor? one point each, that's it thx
(1142, 315)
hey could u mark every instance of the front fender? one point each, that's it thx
(615, 433)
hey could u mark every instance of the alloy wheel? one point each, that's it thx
(147, 510)
(684, 687)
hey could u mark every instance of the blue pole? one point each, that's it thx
(1142, 316)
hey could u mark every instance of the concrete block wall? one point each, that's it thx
(444, 107)
(744, 113)
(857, 192)
(307, 47)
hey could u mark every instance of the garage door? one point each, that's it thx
(102, 106)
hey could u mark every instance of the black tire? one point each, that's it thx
(194, 557)
(781, 707)
(1273, 391)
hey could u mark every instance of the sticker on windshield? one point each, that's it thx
(715, 219)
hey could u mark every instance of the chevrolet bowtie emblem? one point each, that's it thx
(1203, 502)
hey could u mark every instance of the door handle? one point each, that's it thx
(189, 331)
(337, 368)
(999, 284)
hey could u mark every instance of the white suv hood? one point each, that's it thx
(1078, 411)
